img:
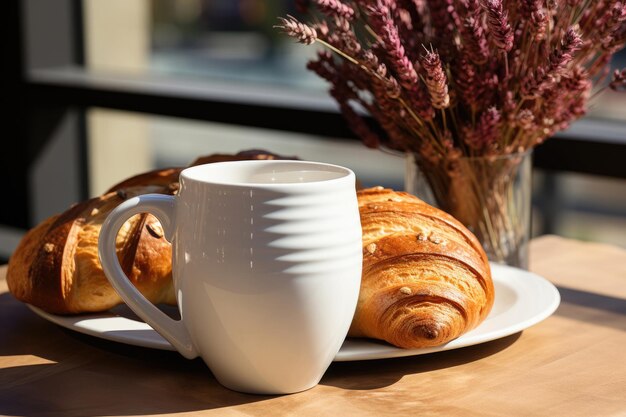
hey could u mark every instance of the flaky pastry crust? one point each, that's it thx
(426, 279)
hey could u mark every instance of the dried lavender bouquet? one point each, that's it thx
(449, 80)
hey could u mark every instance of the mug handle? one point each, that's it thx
(162, 207)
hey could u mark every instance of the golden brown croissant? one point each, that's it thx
(56, 266)
(426, 279)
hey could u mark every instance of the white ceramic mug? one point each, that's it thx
(266, 267)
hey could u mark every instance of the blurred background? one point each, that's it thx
(102, 90)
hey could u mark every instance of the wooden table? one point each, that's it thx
(572, 364)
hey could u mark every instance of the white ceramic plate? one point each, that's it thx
(522, 300)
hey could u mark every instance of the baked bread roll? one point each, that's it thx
(426, 279)
(56, 266)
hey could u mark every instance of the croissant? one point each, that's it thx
(426, 279)
(56, 266)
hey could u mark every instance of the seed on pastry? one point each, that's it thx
(435, 239)
(371, 248)
(406, 291)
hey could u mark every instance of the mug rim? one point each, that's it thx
(188, 173)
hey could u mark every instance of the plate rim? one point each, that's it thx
(353, 350)
(552, 302)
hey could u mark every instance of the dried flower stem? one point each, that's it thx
(435, 80)
(335, 8)
(498, 23)
(303, 33)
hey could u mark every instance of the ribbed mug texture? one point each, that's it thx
(267, 278)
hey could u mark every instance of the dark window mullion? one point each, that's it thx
(565, 152)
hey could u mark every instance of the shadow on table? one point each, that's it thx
(579, 305)
(71, 374)
(599, 309)
(367, 375)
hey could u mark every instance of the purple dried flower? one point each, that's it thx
(578, 81)
(489, 122)
(619, 39)
(525, 119)
(371, 60)
(618, 83)
(415, 10)
(540, 20)
(453, 12)
(490, 103)
(410, 28)
(419, 100)
(292, 27)
(389, 115)
(563, 103)
(576, 110)
(570, 43)
(441, 15)
(533, 11)
(547, 77)
(383, 82)
(442, 23)
(485, 135)
(474, 40)
(392, 88)
(498, 23)
(467, 83)
(384, 26)
(526, 7)
(472, 7)
(436, 80)
(613, 18)
(332, 8)
(344, 38)
(321, 29)
(614, 41)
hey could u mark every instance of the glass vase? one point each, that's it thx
(491, 196)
